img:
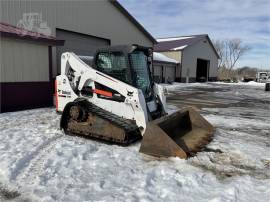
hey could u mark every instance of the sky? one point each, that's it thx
(248, 20)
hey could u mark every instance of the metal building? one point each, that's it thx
(164, 68)
(83, 25)
(197, 57)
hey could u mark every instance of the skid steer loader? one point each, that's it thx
(112, 97)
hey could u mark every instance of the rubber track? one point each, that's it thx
(131, 129)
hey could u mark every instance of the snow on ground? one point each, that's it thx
(38, 162)
(250, 83)
(177, 85)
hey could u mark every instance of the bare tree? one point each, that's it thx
(236, 50)
(230, 50)
(219, 45)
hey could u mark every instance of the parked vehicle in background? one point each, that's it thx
(262, 77)
(248, 78)
(267, 84)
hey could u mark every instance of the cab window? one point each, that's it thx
(113, 64)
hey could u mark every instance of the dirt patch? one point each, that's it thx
(225, 165)
(7, 194)
(266, 162)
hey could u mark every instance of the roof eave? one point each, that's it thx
(50, 42)
(133, 20)
(208, 38)
(168, 50)
(160, 61)
(203, 35)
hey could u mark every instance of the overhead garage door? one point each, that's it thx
(169, 73)
(157, 73)
(80, 44)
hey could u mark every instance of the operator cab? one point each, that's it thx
(130, 64)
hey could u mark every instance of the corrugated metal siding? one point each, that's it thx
(79, 44)
(96, 18)
(23, 61)
(169, 73)
(157, 73)
(176, 55)
(164, 72)
(199, 50)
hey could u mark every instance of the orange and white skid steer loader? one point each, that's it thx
(112, 97)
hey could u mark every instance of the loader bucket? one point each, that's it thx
(180, 134)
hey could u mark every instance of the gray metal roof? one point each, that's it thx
(180, 43)
(172, 43)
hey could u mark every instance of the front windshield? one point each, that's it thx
(139, 65)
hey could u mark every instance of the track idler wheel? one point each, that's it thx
(77, 113)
